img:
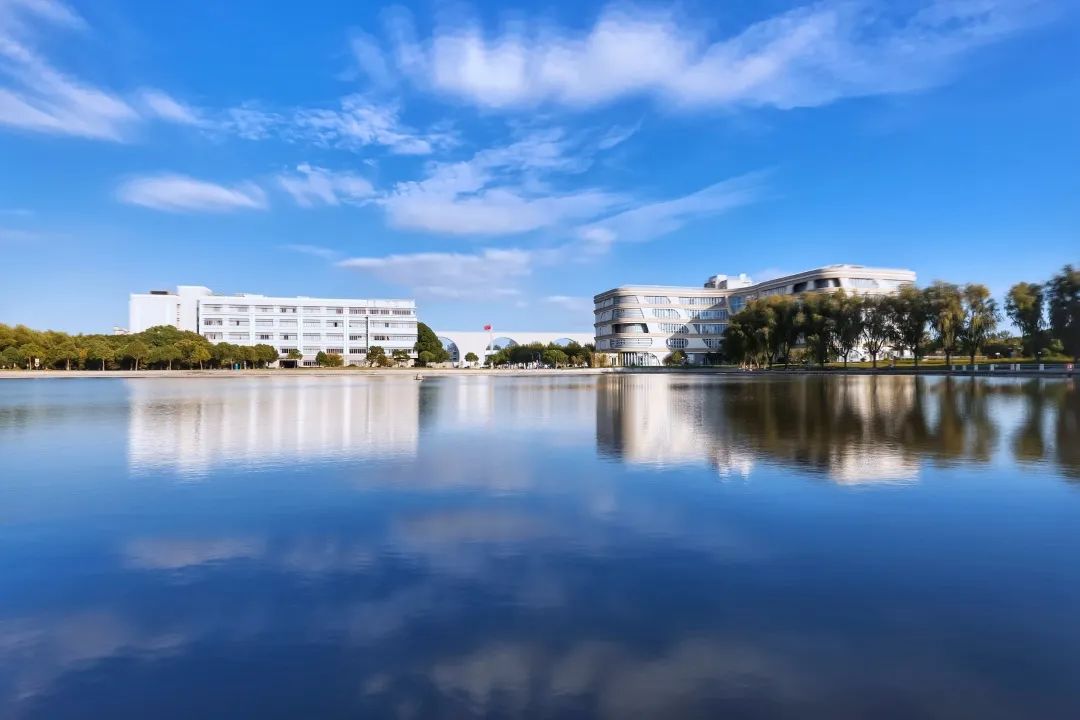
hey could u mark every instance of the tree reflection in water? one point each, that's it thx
(854, 429)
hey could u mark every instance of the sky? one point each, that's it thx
(502, 162)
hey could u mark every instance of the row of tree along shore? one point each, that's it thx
(943, 318)
(166, 348)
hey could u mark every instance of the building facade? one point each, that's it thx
(639, 325)
(308, 325)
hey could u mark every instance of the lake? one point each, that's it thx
(613, 546)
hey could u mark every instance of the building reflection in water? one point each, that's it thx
(193, 426)
(852, 429)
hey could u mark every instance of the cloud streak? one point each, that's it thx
(180, 193)
(809, 56)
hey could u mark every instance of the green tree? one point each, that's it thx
(817, 324)
(12, 357)
(99, 351)
(980, 318)
(400, 356)
(201, 354)
(1063, 295)
(264, 354)
(295, 355)
(64, 352)
(1024, 304)
(136, 351)
(428, 341)
(325, 359)
(877, 325)
(555, 357)
(424, 357)
(471, 357)
(166, 354)
(847, 312)
(676, 358)
(376, 355)
(910, 314)
(946, 315)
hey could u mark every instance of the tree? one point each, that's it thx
(847, 311)
(425, 357)
(376, 355)
(295, 355)
(980, 318)
(99, 351)
(676, 358)
(12, 357)
(136, 351)
(877, 325)
(264, 354)
(325, 359)
(911, 312)
(1063, 297)
(1024, 306)
(63, 352)
(201, 354)
(400, 356)
(555, 357)
(946, 315)
(166, 354)
(471, 357)
(428, 341)
(817, 324)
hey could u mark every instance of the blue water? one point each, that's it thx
(632, 546)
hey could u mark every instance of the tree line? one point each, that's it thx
(572, 354)
(162, 347)
(944, 317)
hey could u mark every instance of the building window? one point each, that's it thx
(657, 300)
(713, 343)
(711, 328)
(868, 283)
(286, 350)
(212, 336)
(358, 311)
(605, 303)
(335, 336)
(630, 313)
(824, 283)
(288, 310)
(335, 311)
(312, 336)
(287, 323)
(212, 308)
(627, 300)
(264, 323)
(333, 323)
(708, 301)
(380, 338)
(665, 313)
(356, 351)
(671, 327)
(287, 336)
(264, 309)
(238, 322)
(238, 336)
(631, 342)
(266, 337)
(677, 343)
(336, 350)
(709, 314)
(212, 321)
(238, 308)
(356, 338)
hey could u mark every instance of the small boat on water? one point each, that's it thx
(418, 377)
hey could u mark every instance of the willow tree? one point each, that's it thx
(1064, 302)
(911, 312)
(1024, 305)
(980, 318)
(946, 315)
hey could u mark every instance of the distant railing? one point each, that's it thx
(1015, 367)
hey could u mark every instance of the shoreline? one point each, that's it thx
(472, 372)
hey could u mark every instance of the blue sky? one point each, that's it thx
(502, 162)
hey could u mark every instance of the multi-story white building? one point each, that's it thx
(641, 324)
(309, 325)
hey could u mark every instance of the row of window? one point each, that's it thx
(631, 342)
(313, 310)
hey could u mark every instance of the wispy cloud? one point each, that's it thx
(164, 106)
(314, 250)
(179, 193)
(655, 219)
(499, 191)
(570, 302)
(809, 56)
(311, 186)
(360, 122)
(35, 96)
(487, 273)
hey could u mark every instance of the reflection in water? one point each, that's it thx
(853, 429)
(542, 547)
(193, 426)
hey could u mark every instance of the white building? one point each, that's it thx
(309, 325)
(642, 324)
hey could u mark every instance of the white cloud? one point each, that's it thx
(652, 220)
(35, 96)
(162, 105)
(361, 122)
(487, 273)
(499, 191)
(311, 186)
(314, 250)
(570, 302)
(179, 193)
(806, 57)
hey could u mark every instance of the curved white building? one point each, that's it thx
(642, 324)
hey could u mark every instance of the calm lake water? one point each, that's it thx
(630, 546)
